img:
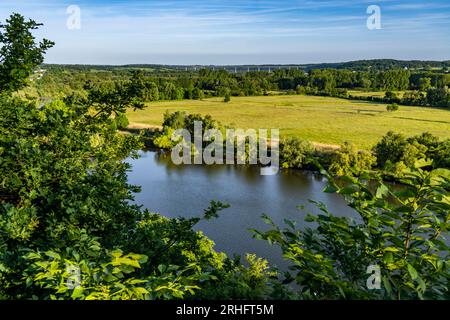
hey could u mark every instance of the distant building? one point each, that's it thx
(38, 74)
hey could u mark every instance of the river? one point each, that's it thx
(186, 191)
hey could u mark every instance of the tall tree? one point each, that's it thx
(20, 54)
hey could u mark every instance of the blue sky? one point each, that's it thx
(238, 31)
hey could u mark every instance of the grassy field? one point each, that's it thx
(318, 119)
(378, 94)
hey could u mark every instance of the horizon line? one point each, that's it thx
(249, 65)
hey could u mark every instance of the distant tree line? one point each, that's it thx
(423, 88)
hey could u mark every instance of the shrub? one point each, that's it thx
(227, 97)
(390, 96)
(350, 161)
(438, 97)
(441, 155)
(122, 121)
(414, 98)
(392, 107)
(399, 232)
(390, 148)
(395, 152)
(295, 153)
(301, 89)
(181, 120)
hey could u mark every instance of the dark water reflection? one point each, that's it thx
(186, 191)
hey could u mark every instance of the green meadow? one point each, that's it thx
(318, 119)
(378, 94)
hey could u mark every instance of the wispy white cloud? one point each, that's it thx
(138, 31)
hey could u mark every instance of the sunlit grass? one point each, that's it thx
(318, 119)
(378, 94)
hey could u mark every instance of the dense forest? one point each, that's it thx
(422, 85)
(69, 228)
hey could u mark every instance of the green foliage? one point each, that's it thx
(390, 96)
(390, 149)
(198, 94)
(174, 120)
(295, 153)
(163, 139)
(69, 230)
(442, 155)
(182, 120)
(392, 107)
(424, 84)
(64, 175)
(438, 97)
(162, 83)
(323, 80)
(402, 231)
(414, 98)
(19, 53)
(238, 282)
(396, 152)
(121, 121)
(65, 200)
(395, 79)
(212, 211)
(348, 160)
(65, 206)
(116, 278)
(143, 87)
(227, 97)
(113, 98)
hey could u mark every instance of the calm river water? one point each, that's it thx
(186, 191)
